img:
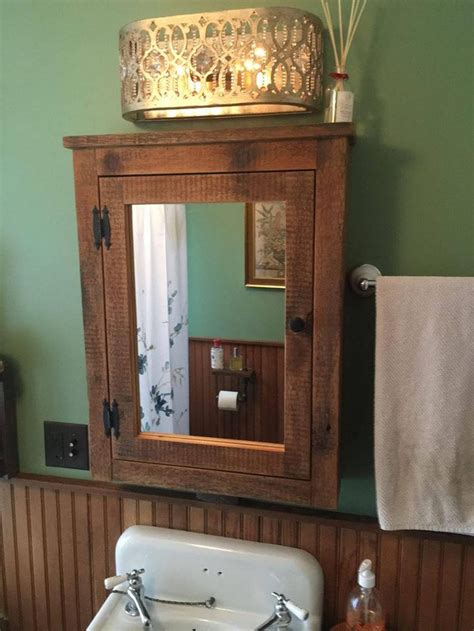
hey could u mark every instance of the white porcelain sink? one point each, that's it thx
(112, 617)
(240, 575)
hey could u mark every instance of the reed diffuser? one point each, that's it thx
(339, 98)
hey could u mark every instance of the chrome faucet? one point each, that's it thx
(136, 592)
(281, 617)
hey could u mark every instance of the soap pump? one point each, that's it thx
(364, 607)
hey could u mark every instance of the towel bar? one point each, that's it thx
(363, 279)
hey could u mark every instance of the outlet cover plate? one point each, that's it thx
(66, 445)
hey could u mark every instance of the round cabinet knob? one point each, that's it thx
(297, 325)
(72, 453)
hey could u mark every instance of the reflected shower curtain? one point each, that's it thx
(161, 290)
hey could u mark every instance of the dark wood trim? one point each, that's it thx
(219, 158)
(8, 430)
(93, 311)
(199, 480)
(328, 313)
(210, 136)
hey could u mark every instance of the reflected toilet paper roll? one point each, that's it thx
(228, 400)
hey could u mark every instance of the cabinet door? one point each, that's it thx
(290, 197)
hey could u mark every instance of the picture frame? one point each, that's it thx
(265, 236)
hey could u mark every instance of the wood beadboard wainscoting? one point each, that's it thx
(260, 418)
(59, 538)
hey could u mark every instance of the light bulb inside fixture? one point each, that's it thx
(194, 85)
(262, 79)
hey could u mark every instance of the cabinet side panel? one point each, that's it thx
(328, 303)
(93, 310)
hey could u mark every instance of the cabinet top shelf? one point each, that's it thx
(210, 136)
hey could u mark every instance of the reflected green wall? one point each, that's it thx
(411, 191)
(220, 305)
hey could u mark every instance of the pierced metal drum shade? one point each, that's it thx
(242, 62)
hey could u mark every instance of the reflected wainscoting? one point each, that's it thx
(59, 538)
(260, 418)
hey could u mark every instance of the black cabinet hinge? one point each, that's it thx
(101, 227)
(110, 416)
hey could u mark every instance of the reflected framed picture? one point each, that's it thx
(265, 237)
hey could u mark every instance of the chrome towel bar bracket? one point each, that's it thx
(363, 279)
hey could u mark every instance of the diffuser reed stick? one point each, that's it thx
(339, 99)
(345, 38)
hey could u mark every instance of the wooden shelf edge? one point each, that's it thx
(210, 136)
(240, 374)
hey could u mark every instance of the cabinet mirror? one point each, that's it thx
(210, 347)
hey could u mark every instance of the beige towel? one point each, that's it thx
(424, 403)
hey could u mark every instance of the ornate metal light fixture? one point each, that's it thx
(242, 62)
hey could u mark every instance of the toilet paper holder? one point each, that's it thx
(241, 397)
(245, 377)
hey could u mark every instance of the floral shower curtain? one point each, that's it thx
(161, 290)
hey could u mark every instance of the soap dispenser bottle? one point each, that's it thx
(364, 607)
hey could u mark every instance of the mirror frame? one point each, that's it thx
(290, 459)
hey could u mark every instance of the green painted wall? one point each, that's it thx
(410, 209)
(219, 303)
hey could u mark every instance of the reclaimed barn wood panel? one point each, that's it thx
(58, 540)
(209, 136)
(260, 418)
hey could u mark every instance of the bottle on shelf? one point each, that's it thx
(217, 355)
(236, 362)
(338, 99)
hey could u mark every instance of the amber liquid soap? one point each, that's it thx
(236, 362)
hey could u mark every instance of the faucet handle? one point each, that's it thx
(298, 612)
(114, 581)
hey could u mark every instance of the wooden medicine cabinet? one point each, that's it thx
(187, 237)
